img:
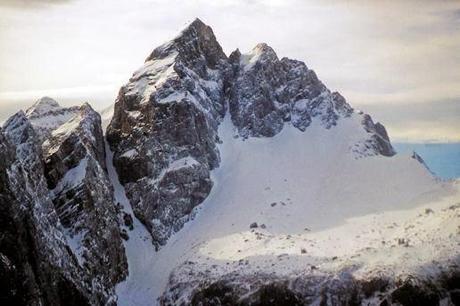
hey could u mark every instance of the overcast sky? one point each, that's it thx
(397, 60)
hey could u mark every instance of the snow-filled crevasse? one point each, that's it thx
(149, 270)
(136, 289)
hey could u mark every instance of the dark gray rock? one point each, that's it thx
(379, 142)
(128, 220)
(313, 289)
(266, 92)
(46, 115)
(36, 265)
(74, 159)
(421, 161)
(164, 129)
(66, 202)
(222, 294)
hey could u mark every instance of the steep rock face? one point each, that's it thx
(75, 170)
(57, 192)
(36, 265)
(267, 92)
(377, 143)
(71, 141)
(164, 129)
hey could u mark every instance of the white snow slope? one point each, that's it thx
(137, 288)
(311, 193)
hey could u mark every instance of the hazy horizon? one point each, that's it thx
(398, 61)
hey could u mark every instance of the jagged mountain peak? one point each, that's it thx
(81, 114)
(84, 126)
(197, 25)
(171, 108)
(20, 115)
(58, 176)
(46, 115)
(42, 106)
(262, 53)
(263, 48)
(196, 41)
(17, 127)
(268, 155)
(45, 101)
(235, 55)
(86, 108)
(86, 105)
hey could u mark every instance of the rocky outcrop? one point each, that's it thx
(36, 264)
(164, 128)
(266, 92)
(419, 159)
(345, 289)
(57, 193)
(46, 115)
(378, 141)
(75, 171)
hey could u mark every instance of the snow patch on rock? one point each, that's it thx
(72, 178)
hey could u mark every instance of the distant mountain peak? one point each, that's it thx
(197, 24)
(260, 53)
(42, 106)
(262, 48)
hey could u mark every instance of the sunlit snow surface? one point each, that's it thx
(310, 192)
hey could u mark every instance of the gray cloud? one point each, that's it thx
(433, 121)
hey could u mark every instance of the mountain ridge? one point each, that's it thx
(192, 75)
(217, 174)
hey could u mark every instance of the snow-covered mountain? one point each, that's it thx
(221, 180)
(164, 129)
(59, 182)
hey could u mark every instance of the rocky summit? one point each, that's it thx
(57, 178)
(220, 180)
(164, 128)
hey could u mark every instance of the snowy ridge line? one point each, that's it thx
(279, 158)
(240, 180)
